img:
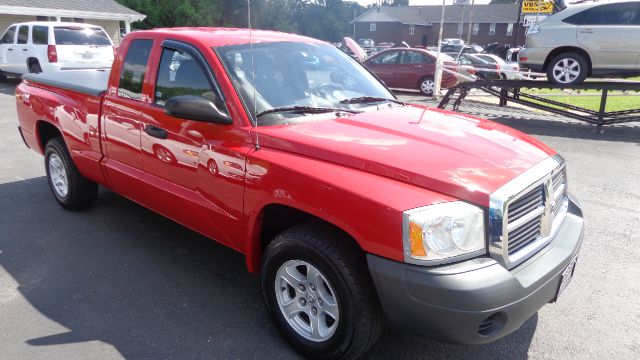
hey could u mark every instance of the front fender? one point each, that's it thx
(366, 206)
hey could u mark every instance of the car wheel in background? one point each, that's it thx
(72, 190)
(567, 69)
(427, 86)
(317, 289)
(3, 77)
(34, 68)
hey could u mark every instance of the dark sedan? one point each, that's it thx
(405, 68)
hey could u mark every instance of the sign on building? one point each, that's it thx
(532, 6)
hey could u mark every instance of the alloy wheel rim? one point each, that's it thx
(58, 175)
(566, 70)
(307, 300)
(427, 86)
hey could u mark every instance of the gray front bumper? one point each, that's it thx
(475, 301)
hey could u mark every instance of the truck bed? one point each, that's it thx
(90, 82)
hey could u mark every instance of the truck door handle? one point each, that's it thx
(586, 31)
(155, 131)
(10, 49)
(24, 49)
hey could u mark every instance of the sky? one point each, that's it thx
(418, 2)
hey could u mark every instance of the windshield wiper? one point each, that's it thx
(368, 99)
(305, 110)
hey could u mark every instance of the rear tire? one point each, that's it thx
(427, 86)
(567, 69)
(3, 77)
(35, 68)
(72, 190)
(311, 262)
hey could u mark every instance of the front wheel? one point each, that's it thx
(567, 69)
(318, 292)
(35, 68)
(427, 86)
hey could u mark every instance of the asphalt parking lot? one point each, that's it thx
(119, 281)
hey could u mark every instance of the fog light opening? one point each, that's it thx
(492, 325)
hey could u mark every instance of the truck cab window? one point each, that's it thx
(181, 74)
(134, 69)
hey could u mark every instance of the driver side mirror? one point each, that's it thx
(197, 108)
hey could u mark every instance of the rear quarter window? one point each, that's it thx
(134, 69)
(40, 35)
(72, 35)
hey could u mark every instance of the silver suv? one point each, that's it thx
(582, 40)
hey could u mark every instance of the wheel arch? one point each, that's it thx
(564, 49)
(46, 131)
(32, 60)
(272, 219)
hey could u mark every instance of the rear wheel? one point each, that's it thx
(567, 69)
(318, 292)
(427, 86)
(72, 190)
(3, 77)
(34, 68)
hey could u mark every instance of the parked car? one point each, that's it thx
(413, 68)
(451, 41)
(508, 70)
(484, 69)
(367, 44)
(53, 46)
(470, 49)
(382, 47)
(355, 209)
(594, 39)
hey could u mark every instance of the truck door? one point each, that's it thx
(6, 48)
(197, 168)
(122, 120)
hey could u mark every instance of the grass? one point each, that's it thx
(614, 103)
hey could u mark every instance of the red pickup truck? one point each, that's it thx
(354, 208)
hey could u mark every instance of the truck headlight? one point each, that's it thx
(533, 29)
(443, 232)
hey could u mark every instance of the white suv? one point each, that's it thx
(52, 46)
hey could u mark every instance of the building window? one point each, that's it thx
(372, 27)
(476, 29)
(460, 28)
(492, 29)
(46, 18)
(412, 29)
(509, 29)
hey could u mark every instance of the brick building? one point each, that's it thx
(419, 25)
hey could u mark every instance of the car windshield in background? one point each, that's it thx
(70, 35)
(300, 76)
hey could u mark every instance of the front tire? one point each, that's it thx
(316, 287)
(72, 190)
(567, 69)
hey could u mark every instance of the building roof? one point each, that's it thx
(426, 15)
(91, 9)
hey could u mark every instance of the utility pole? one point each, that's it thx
(438, 75)
(354, 23)
(473, 2)
(516, 31)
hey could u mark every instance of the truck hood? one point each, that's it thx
(457, 155)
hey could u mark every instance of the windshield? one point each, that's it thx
(71, 35)
(295, 74)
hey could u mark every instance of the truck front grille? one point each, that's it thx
(525, 212)
(525, 219)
